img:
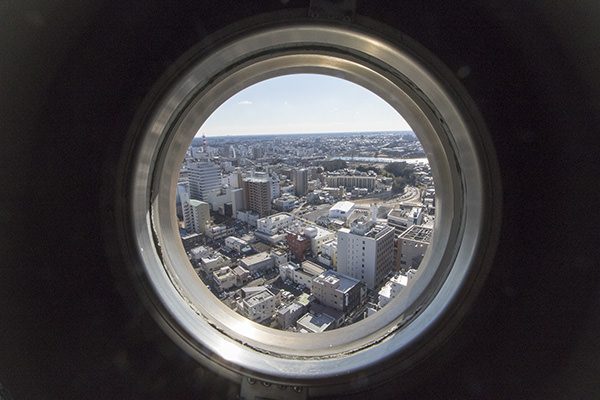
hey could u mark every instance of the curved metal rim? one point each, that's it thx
(459, 172)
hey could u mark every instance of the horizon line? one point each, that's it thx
(199, 135)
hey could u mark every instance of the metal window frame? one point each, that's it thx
(467, 199)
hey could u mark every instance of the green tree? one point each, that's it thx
(398, 185)
(367, 168)
(334, 165)
(404, 170)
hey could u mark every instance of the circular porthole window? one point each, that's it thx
(461, 164)
(301, 229)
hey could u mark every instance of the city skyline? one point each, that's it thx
(302, 103)
(306, 234)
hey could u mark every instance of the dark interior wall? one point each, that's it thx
(72, 76)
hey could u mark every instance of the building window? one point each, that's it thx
(203, 319)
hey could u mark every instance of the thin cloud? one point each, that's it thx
(245, 103)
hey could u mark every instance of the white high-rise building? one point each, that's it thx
(237, 201)
(233, 179)
(203, 177)
(301, 181)
(217, 198)
(337, 291)
(199, 216)
(275, 186)
(182, 198)
(366, 251)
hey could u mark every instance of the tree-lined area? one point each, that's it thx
(404, 174)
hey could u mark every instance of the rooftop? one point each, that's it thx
(223, 274)
(418, 233)
(304, 299)
(290, 308)
(256, 179)
(344, 206)
(400, 279)
(195, 203)
(201, 250)
(256, 258)
(312, 268)
(240, 271)
(190, 236)
(276, 217)
(214, 257)
(367, 228)
(404, 212)
(258, 297)
(315, 323)
(248, 291)
(344, 283)
(236, 239)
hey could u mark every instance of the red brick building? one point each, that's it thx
(299, 245)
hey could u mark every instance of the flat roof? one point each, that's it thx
(304, 299)
(290, 307)
(195, 202)
(403, 212)
(236, 239)
(213, 257)
(344, 282)
(367, 228)
(256, 258)
(222, 273)
(239, 270)
(342, 206)
(315, 323)
(190, 236)
(385, 291)
(276, 217)
(256, 179)
(258, 297)
(312, 268)
(400, 279)
(418, 233)
(323, 309)
(200, 249)
(250, 290)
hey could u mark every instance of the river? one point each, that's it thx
(422, 160)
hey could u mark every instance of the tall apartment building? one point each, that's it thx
(275, 186)
(203, 177)
(412, 245)
(199, 216)
(182, 199)
(337, 291)
(366, 251)
(257, 191)
(301, 181)
(351, 181)
(238, 201)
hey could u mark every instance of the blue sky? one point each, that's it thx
(303, 103)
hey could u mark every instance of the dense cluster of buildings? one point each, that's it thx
(296, 246)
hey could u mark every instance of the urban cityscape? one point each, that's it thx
(306, 232)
